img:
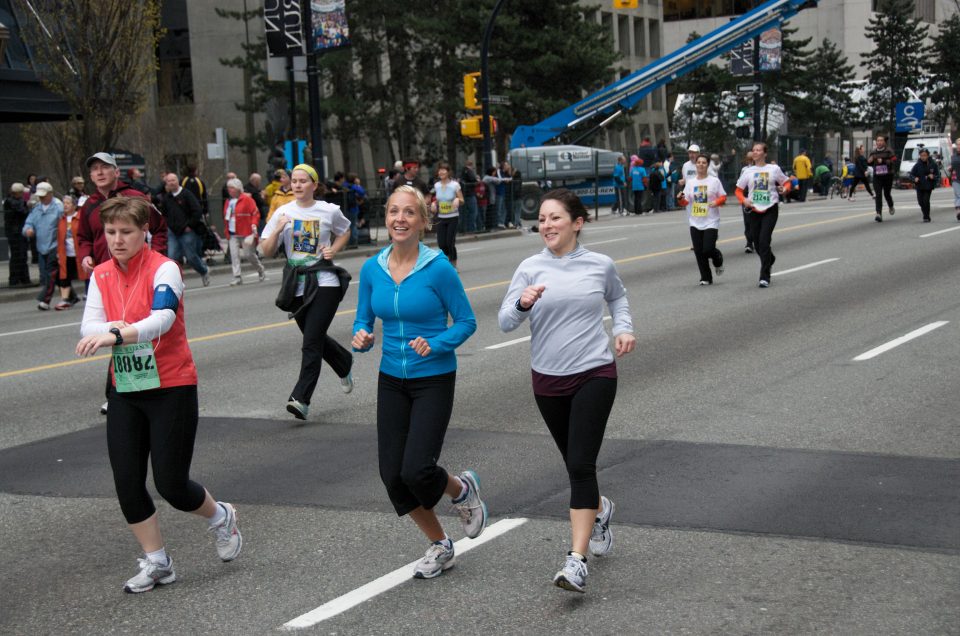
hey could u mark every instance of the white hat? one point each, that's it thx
(43, 189)
(17, 188)
(105, 157)
(693, 148)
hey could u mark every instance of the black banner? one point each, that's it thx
(281, 20)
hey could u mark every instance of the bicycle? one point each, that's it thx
(836, 187)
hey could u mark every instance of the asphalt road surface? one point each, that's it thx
(783, 460)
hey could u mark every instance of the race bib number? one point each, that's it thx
(700, 209)
(135, 367)
(445, 207)
(881, 169)
(761, 196)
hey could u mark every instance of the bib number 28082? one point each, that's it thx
(135, 367)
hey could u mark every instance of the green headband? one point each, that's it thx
(308, 169)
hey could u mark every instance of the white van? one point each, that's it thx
(911, 151)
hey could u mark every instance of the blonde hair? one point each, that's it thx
(125, 209)
(421, 202)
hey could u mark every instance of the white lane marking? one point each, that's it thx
(896, 342)
(17, 333)
(808, 266)
(392, 580)
(509, 343)
(949, 229)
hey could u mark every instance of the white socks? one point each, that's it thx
(159, 557)
(464, 489)
(218, 517)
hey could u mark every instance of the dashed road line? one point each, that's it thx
(896, 342)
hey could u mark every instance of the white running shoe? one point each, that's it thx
(472, 510)
(205, 279)
(151, 574)
(893, 211)
(346, 383)
(261, 276)
(228, 538)
(298, 408)
(236, 281)
(764, 283)
(601, 539)
(103, 407)
(437, 560)
(573, 575)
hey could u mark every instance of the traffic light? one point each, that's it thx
(741, 110)
(470, 91)
(744, 132)
(470, 127)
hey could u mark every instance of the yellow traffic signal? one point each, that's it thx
(470, 91)
(625, 4)
(470, 127)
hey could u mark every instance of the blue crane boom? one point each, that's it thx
(625, 93)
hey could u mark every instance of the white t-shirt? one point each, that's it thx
(760, 185)
(688, 171)
(231, 216)
(700, 195)
(446, 195)
(309, 230)
(68, 242)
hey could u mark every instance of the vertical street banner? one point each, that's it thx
(771, 49)
(741, 59)
(329, 25)
(281, 22)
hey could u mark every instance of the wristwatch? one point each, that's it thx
(116, 332)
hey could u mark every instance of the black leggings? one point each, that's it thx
(412, 420)
(447, 237)
(883, 183)
(923, 198)
(866, 184)
(705, 249)
(161, 425)
(577, 423)
(317, 346)
(761, 226)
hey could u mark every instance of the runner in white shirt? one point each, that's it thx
(759, 189)
(689, 169)
(703, 196)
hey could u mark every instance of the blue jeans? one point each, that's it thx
(352, 215)
(49, 271)
(470, 223)
(501, 210)
(187, 245)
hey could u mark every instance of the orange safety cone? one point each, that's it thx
(946, 182)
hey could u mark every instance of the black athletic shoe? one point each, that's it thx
(878, 219)
(748, 248)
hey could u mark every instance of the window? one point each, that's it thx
(174, 70)
(654, 38)
(924, 10)
(693, 9)
(623, 32)
(639, 38)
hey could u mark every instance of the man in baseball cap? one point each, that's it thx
(104, 157)
(689, 169)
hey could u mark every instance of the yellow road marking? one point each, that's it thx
(346, 312)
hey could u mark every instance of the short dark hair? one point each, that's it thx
(570, 202)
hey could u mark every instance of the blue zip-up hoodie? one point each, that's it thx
(417, 307)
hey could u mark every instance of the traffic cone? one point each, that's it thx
(946, 182)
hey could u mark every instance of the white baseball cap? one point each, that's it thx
(43, 189)
(693, 148)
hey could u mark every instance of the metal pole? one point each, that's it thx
(313, 90)
(596, 185)
(485, 90)
(292, 134)
(756, 95)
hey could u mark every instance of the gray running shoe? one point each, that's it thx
(893, 211)
(205, 279)
(236, 281)
(764, 283)
(437, 560)
(298, 408)
(228, 538)
(601, 539)
(261, 276)
(573, 576)
(150, 575)
(346, 383)
(472, 510)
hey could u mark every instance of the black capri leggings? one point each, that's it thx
(577, 423)
(412, 419)
(447, 237)
(160, 424)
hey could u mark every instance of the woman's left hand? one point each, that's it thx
(88, 345)
(420, 345)
(624, 344)
(328, 252)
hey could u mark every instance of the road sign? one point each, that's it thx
(909, 116)
(749, 89)
(499, 99)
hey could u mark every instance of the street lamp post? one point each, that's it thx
(313, 90)
(485, 90)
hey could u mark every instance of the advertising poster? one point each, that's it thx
(330, 30)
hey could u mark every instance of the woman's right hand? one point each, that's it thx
(530, 295)
(362, 340)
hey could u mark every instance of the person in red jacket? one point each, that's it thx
(67, 257)
(135, 308)
(240, 219)
(91, 244)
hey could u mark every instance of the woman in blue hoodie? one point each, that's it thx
(413, 289)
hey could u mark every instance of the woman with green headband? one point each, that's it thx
(312, 230)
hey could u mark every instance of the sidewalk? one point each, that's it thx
(9, 294)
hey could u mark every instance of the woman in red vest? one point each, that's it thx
(135, 305)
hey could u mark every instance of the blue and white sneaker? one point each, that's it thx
(573, 576)
(601, 539)
(151, 574)
(437, 560)
(298, 409)
(472, 510)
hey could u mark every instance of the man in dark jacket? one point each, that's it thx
(91, 243)
(884, 163)
(195, 184)
(14, 214)
(185, 227)
(468, 186)
(925, 175)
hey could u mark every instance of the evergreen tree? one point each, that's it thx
(707, 113)
(895, 64)
(786, 86)
(943, 85)
(827, 104)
